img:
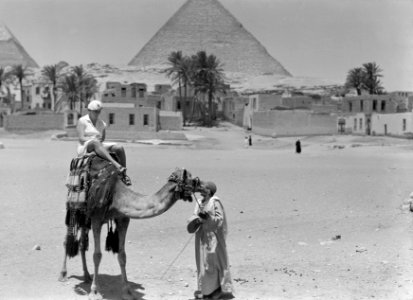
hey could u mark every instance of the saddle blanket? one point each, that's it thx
(78, 179)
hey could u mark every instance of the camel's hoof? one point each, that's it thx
(94, 295)
(63, 277)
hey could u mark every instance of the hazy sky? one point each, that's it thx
(315, 38)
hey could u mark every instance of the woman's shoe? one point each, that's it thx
(124, 178)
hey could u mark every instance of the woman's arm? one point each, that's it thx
(81, 132)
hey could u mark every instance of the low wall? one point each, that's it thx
(169, 120)
(34, 122)
(293, 123)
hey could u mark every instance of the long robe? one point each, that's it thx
(211, 250)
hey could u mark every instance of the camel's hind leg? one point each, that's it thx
(122, 227)
(97, 257)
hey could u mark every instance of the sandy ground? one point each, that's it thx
(285, 213)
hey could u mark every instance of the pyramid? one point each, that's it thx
(207, 25)
(11, 51)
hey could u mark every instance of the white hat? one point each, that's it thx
(95, 105)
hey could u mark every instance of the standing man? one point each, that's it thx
(214, 278)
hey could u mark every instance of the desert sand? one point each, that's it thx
(329, 223)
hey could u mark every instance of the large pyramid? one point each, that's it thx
(11, 51)
(207, 25)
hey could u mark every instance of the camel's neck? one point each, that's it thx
(138, 206)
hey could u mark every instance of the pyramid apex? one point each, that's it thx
(207, 25)
(4, 32)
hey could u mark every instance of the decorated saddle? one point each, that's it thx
(90, 183)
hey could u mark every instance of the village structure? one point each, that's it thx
(132, 109)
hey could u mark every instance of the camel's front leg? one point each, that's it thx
(97, 257)
(122, 227)
(83, 247)
(63, 272)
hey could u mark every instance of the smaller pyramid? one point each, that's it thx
(11, 51)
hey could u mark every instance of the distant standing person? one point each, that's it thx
(298, 146)
(91, 131)
(214, 278)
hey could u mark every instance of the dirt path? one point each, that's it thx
(325, 224)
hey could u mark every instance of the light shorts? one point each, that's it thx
(82, 149)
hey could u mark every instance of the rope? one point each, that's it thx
(179, 254)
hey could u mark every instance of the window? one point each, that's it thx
(141, 93)
(37, 90)
(383, 105)
(350, 106)
(111, 118)
(131, 119)
(361, 124)
(254, 103)
(123, 92)
(178, 105)
(374, 105)
(355, 124)
(158, 105)
(70, 119)
(361, 105)
(404, 124)
(145, 119)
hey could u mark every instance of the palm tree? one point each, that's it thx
(175, 73)
(70, 87)
(186, 69)
(372, 74)
(51, 72)
(355, 79)
(208, 79)
(20, 72)
(6, 78)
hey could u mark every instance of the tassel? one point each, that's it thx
(109, 238)
(112, 240)
(115, 242)
(67, 219)
(72, 246)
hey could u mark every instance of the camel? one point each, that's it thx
(125, 205)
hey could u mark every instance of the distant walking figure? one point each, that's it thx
(298, 146)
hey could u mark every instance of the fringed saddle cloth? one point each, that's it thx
(78, 180)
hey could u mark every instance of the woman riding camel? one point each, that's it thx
(92, 131)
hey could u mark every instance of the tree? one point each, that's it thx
(70, 87)
(208, 79)
(365, 78)
(371, 79)
(51, 72)
(5, 79)
(355, 79)
(79, 86)
(20, 72)
(175, 73)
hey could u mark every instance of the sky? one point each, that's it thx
(311, 38)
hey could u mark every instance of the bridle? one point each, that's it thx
(183, 190)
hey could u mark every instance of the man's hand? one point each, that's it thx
(203, 215)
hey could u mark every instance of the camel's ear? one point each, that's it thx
(184, 175)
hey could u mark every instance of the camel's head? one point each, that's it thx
(185, 184)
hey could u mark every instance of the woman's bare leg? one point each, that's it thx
(102, 152)
(120, 153)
